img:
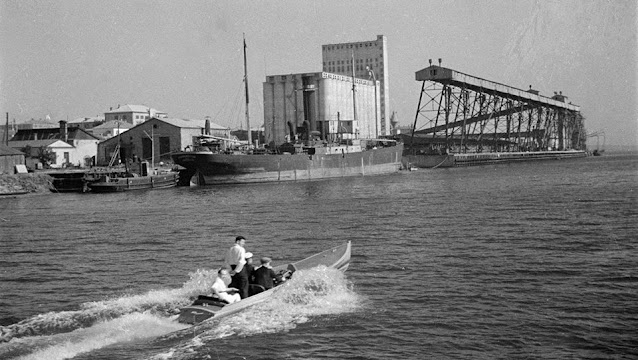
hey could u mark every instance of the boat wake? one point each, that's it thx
(134, 318)
(64, 334)
(310, 293)
(127, 328)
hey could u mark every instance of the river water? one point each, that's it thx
(531, 260)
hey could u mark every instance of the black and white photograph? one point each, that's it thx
(304, 179)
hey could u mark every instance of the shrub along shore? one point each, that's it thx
(21, 183)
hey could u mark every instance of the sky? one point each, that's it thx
(68, 59)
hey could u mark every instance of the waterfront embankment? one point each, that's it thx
(24, 183)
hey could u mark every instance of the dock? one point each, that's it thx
(465, 120)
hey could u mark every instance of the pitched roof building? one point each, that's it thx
(9, 158)
(156, 139)
(87, 122)
(71, 145)
(133, 114)
(109, 129)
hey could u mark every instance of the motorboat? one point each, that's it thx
(206, 307)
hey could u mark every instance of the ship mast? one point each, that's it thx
(355, 124)
(250, 140)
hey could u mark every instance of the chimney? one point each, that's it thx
(64, 133)
(440, 61)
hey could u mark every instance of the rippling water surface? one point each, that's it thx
(534, 260)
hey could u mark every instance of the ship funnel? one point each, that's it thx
(207, 127)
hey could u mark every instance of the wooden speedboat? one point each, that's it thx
(206, 307)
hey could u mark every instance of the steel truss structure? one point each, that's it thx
(459, 113)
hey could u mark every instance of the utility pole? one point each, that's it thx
(6, 131)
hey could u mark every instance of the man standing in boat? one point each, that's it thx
(236, 261)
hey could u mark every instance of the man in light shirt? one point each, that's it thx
(235, 261)
(221, 289)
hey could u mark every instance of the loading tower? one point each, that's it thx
(460, 113)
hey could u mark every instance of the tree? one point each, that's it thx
(46, 156)
(26, 150)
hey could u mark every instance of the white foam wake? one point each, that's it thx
(130, 327)
(315, 292)
(60, 335)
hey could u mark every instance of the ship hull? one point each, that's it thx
(214, 168)
(108, 184)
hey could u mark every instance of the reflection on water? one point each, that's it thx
(494, 261)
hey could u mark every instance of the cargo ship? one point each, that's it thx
(308, 155)
(358, 157)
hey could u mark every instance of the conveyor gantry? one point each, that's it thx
(464, 113)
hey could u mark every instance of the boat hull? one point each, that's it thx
(212, 168)
(109, 184)
(473, 159)
(337, 258)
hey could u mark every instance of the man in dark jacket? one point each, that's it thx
(264, 275)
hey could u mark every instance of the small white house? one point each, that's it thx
(72, 146)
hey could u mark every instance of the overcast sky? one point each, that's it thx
(70, 59)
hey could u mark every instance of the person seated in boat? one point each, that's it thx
(265, 275)
(235, 261)
(221, 289)
(250, 268)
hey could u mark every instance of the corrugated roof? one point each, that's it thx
(74, 133)
(192, 123)
(113, 124)
(6, 151)
(38, 143)
(86, 119)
